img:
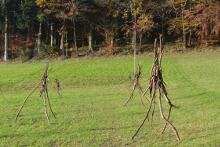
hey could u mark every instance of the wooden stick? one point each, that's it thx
(147, 114)
(131, 95)
(152, 115)
(45, 108)
(25, 100)
(167, 121)
(145, 118)
(160, 50)
(49, 104)
(168, 118)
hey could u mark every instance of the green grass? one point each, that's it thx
(90, 112)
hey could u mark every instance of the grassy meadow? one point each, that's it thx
(90, 111)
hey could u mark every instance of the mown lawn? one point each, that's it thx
(91, 113)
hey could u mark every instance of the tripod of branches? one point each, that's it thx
(157, 90)
(136, 84)
(58, 87)
(43, 85)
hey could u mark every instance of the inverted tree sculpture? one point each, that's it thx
(58, 87)
(136, 84)
(43, 84)
(157, 90)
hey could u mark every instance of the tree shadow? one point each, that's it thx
(198, 135)
(191, 96)
(11, 135)
(110, 128)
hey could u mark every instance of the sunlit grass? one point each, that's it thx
(90, 111)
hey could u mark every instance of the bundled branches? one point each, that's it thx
(43, 84)
(58, 86)
(136, 84)
(44, 94)
(157, 90)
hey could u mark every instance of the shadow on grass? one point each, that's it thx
(110, 128)
(191, 96)
(10, 135)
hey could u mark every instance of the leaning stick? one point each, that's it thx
(25, 100)
(131, 95)
(152, 115)
(45, 108)
(49, 104)
(166, 120)
(141, 90)
(146, 117)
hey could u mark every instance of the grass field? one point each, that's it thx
(91, 113)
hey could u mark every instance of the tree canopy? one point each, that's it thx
(108, 24)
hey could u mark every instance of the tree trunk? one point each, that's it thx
(39, 38)
(62, 43)
(190, 38)
(109, 40)
(6, 39)
(190, 26)
(2, 39)
(134, 41)
(219, 36)
(66, 43)
(51, 36)
(112, 42)
(90, 42)
(162, 25)
(47, 32)
(83, 33)
(140, 41)
(183, 29)
(74, 36)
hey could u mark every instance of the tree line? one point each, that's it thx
(38, 28)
